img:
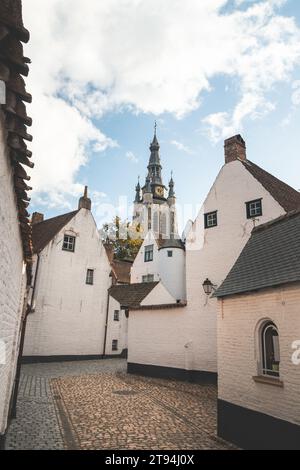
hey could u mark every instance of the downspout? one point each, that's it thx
(28, 309)
(106, 325)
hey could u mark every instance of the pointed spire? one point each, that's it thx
(154, 165)
(138, 191)
(171, 186)
(148, 188)
(84, 201)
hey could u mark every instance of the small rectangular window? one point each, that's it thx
(114, 345)
(148, 278)
(90, 277)
(69, 243)
(254, 208)
(148, 253)
(116, 315)
(210, 219)
(170, 254)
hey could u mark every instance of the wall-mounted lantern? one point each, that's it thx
(208, 287)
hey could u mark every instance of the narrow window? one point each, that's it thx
(116, 315)
(148, 278)
(254, 208)
(172, 223)
(69, 243)
(149, 218)
(148, 253)
(114, 345)
(210, 219)
(270, 353)
(90, 277)
(170, 253)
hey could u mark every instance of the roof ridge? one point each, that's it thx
(281, 218)
(56, 217)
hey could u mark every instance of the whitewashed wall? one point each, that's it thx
(239, 318)
(69, 317)
(210, 254)
(171, 271)
(116, 329)
(12, 281)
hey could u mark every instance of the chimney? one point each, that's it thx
(84, 201)
(235, 149)
(36, 218)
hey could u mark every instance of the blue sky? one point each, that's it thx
(97, 95)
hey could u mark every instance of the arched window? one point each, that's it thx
(163, 225)
(155, 222)
(149, 218)
(270, 349)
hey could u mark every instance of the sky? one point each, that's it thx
(103, 71)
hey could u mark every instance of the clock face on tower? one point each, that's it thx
(159, 191)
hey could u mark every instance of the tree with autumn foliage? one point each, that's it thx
(124, 238)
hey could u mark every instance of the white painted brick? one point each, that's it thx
(12, 279)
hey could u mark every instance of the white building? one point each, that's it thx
(259, 340)
(71, 280)
(243, 195)
(15, 245)
(161, 260)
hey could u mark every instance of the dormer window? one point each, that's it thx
(210, 219)
(68, 243)
(254, 208)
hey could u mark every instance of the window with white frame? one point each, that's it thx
(114, 345)
(69, 243)
(210, 219)
(116, 315)
(254, 208)
(90, 277)
(148, 253)
(270, 352)
(148, 278)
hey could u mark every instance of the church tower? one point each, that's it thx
(154, 204)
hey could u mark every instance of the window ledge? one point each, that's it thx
(263, 379)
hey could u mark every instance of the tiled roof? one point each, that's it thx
(131, 295)
(12, 65)
(284, 194)
(270, 258)
(170, 243)
(44, 232)
(121, 270)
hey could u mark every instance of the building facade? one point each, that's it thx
(242, 196)
(259, 341)
(71, 280)
(15, 239)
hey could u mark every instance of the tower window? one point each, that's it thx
(148, 278)
(90, 277)
(170, 253)
(210, 219)
(254, 208)
(69, 243)
(149, 218)
(148, 253)
(114, 345)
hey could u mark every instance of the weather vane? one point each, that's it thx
(155, 127)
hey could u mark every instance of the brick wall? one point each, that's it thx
(12, 280)
(238, 351)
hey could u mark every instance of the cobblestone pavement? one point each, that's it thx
(97, 405)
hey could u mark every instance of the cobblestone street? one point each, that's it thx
(97, 405)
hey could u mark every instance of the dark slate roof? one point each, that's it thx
(170, 243)
(13, 65)
(44, 232)
(270, 258)
(284, 194)
(132, 295)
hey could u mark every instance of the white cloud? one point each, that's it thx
(180, 146)
(131, 157)
(296, 93)
(92, 57)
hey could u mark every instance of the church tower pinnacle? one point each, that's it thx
(155, 208)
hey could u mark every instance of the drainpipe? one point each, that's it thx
(28, 309)
(106, 325)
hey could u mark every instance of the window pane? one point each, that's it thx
(270, 350)
(68, 243)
